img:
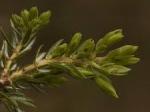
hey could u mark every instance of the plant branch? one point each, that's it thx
(5, 73)
(78, 59)
(42, 63)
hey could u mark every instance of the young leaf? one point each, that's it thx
(74, 43)
(86, 49)
(108, 40)
(68, 68)
(53, 48)
(130, 61)
(123, 51)
(44, 17)
(86, 72)
(23, 100)
(17, 21)
(104, 83)
(33, 13)
(60, 50)
(25, 16)
(122, 56)
(29, 46)
(117, 70)
(6, 50)
(40, 57)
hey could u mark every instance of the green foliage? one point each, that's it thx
(105, 84)
(123, 55)
(80, 60)
(86, 49)
(108, 40)
(74, 43)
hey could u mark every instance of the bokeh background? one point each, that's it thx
(93, 18)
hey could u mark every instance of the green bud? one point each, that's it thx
(132, 60)
(85, 72)
(108, 40)
(17, 20)
(74, 43)
(54, 47)
(34, 24)
(25, 16)
(104, 83)
(122, 56)
(33, 13)
(127, 49)
(86, 49)
(114, 69)
(123, 51)
(44, 17)
(114, 36)
(59, 50)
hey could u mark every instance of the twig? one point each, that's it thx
(40, 64)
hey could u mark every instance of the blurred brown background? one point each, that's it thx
(93, 18)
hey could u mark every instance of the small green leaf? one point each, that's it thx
(99, 68)
(23, 100)
(130, 61)
(128, 50)
(40, 56)
(55, 80)
(54, 47)
(1, 54)
(35, 24)
(122, 56)
(45, 17)
(123, 51)
(73, 71)
(108, 40)
(33, 13)
(25, 16)
(59, 50)
(104, 83)
(86, 49)
(117, 70)
(48, 79)
(6, 51)
(17, 20)
(86, 72)
(29, 46)
(68, 68)
(74, 43)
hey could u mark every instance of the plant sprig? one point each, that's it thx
(80, 60)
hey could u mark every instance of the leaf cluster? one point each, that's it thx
(76, 58)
